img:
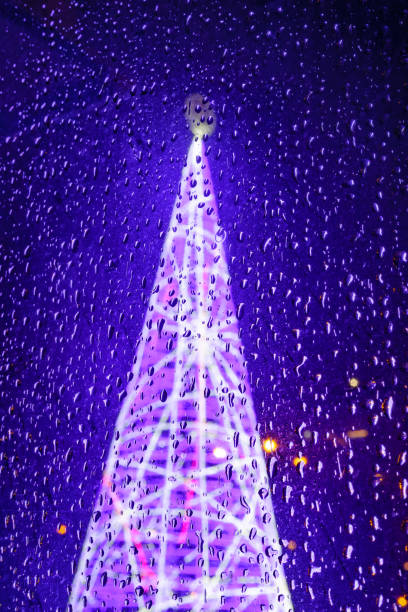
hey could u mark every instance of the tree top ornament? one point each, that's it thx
(200, 114)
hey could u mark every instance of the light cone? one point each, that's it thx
(184, 517)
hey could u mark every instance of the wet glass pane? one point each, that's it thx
(203, 264)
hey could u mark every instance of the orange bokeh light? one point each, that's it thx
(269, 445)
(62, 529)
(298, 460)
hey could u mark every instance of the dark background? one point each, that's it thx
(309, 164)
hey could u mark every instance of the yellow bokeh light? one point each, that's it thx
(357, 433)
(402, 601)
(292, 544)
(353, 382)
(405, 566)
(62, 529)
(219, 452)
(298, 460)
(270, 445)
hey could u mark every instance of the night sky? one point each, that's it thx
(309, 164)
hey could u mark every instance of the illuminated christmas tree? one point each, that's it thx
(184, 517)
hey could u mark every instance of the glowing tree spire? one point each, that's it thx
(184, 517)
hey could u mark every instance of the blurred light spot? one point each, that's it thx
(357, 433)
(405, 566)
(353, 382)
(298, 460)
(219, 452)
(292, 544)
(270, 445)
(402, 601)
(62, 529)
(307, 434)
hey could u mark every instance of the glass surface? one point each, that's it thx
(306, 171)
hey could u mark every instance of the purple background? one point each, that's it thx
(309, 163)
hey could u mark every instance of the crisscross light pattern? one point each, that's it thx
(184, 517)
